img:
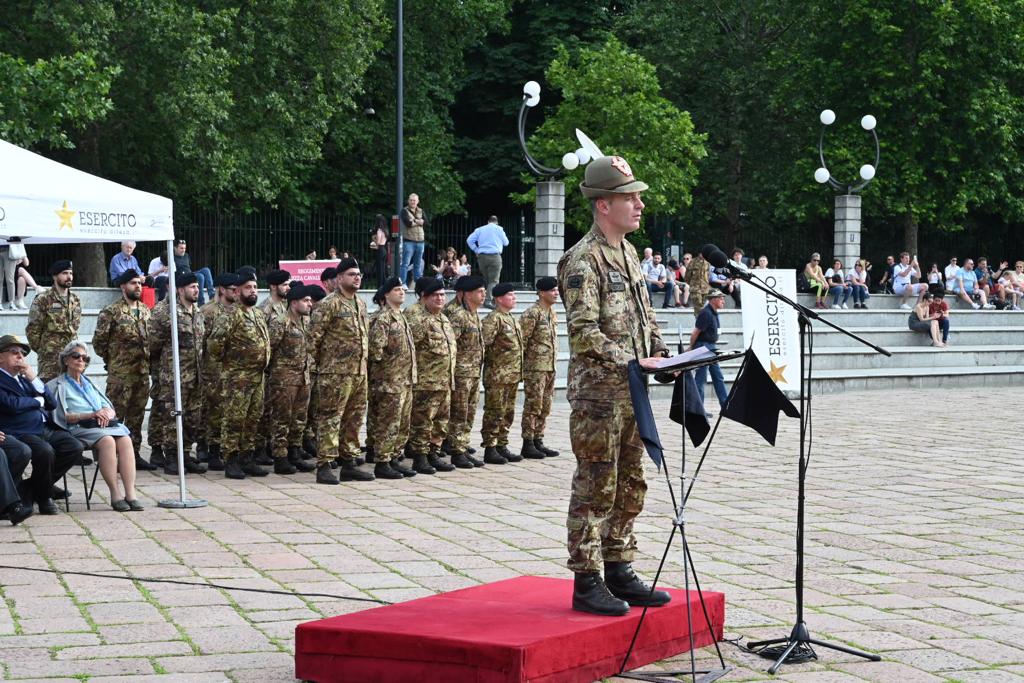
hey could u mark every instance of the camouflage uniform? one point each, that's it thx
(610, 322)
(697, 277)
(190, 359)
(240, 342)
(540, 335)
(121, 339)
(503, 370)
(52, 323)
(338, 339)
(272, 310)
(435, 377)
(213, 405)
(468, 362)
(288, 382)
(392, 376)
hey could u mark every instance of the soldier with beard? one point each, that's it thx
(53, 320)
(278, 285)
(226, 297)
(470, 291)
(122, 341)
(241, 342)
(288, 382)
(190, 363)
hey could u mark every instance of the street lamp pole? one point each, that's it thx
(396, 259)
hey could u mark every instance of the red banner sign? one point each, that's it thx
(307, 271)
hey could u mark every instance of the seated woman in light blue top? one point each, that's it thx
(84, 411)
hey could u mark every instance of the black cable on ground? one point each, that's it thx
(801, 654)
(196, 585)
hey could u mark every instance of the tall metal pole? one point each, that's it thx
(399, 131)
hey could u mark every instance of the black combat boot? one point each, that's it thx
(470, 450)
(371, 455)
(215, 463)
(468, 455)
(156, 456)
(623, 583)
(141, 465)
(250, 465)
(284, 466)
(384, 470)
(462, 462)
(420, 464)
(202, 452)
(309, 447)
(350, 472)
(493, 457)
(435, 460)
(233, 466)
(402, 469)
(171, 466)
(539, 443)
(296, 459)
(504, 452)
(261, 456)
(530, 451)
(589, 594)
(324, 475)
(193, 466)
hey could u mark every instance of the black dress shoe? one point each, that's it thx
(142, 466)
(83, 460)
(48, 507)
(57, 493)
(18, 512)
(624, 584)
(589, 594)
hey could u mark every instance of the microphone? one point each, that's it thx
(718, 259)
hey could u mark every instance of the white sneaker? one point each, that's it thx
(905, 307)
(845, 306)
(40, 289)
(989, 306)
(835, 306)
(1015, 308)
(975, 306)
(20, 303)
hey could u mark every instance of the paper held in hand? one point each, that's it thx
(691, 356)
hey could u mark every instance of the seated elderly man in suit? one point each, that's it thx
(14, 458)
(24, 406)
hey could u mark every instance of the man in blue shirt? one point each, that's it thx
(487, 242)
(124, 260)
(705, 333)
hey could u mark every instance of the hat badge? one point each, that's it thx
(620, 165)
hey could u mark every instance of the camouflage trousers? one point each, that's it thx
(538, 387)
(608, 487)
(213, 402)
(165, 429)
(697, 300)
(499, 412)
(389, 431)
(465, 397)
(429, 421)
(314, 395)
(288, 405)
(265, 430)
(372, 415)
(242, 411)
(341, 407)
(130, 394)
(47, 365)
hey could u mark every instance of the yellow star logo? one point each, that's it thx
(65, 216)
(776, 373)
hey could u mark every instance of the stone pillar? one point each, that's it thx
(549, 227)
(847, 232)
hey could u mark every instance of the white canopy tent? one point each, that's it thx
(42, 201)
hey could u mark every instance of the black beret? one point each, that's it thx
(468, 283)
(295, 283)
(245, 270)
(60, 266)
(346, 264)
(502, 289)
(546, 284)
(385, 287)
(278, 277)
(246, 274)
(226, 280)
(432, 286)
(127, 276)
(184, 278)
(328, 274)
(316, 292)
(297, 292)
(421, 283)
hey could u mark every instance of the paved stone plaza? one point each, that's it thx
(915, 550)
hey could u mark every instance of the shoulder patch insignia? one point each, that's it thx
(574, 281)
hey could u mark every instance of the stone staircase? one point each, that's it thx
(986, 347)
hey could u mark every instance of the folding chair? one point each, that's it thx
(89, 487)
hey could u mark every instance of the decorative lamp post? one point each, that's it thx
(549, 226)
(847, 216)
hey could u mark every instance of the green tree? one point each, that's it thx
(612, 94)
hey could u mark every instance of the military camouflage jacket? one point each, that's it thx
(697, 275)
(540, 338)
(53, 322)
(338, 336)
(121, 338)
(289, 351)
(273, 309)
(608, 314)
(392, 352)
(190, 341)
(240, 340)
(503, 349)
(470, 343)
(435, 349)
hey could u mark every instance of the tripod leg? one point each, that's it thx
(782, 658)
(847, 650)
(762, 643)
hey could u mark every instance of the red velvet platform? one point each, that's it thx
(516, 630)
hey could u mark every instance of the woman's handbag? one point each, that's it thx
(16, 251)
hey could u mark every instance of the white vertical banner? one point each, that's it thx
(773, 328)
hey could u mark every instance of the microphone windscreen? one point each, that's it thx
(717, 258)
(707, 250)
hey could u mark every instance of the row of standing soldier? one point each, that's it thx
(292, 380)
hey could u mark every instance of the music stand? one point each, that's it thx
(679, 525)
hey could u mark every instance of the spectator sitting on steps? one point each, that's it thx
(656, 276)
(922, 320)
(837, 284)
(966, 287)
(902, 280)
(940, 308)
